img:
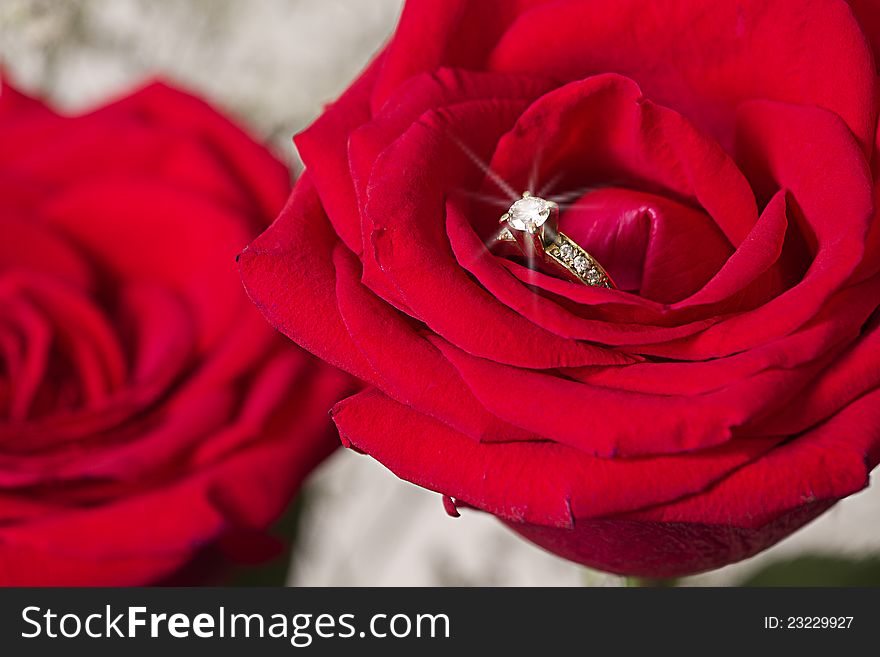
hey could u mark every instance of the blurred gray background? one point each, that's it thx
(272, 65)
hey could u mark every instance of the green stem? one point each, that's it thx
(651, 583)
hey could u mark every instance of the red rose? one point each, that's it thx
(717, 163)
(146, 410)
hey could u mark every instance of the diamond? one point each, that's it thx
(566, 251)
(580, 264)
(528, 213)
(594, 276)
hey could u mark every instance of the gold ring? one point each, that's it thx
(532, 231)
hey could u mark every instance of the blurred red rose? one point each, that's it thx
(146, 410)
(715, 158)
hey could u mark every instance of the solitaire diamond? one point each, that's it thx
(528, 213)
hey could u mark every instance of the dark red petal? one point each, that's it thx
(288, 273)
(323, 147)
(738, 51)
(535, 482)
(410, 369)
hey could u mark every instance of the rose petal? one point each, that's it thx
(535, 482)
(735, 52)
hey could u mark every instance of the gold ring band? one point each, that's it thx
(532, 231)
